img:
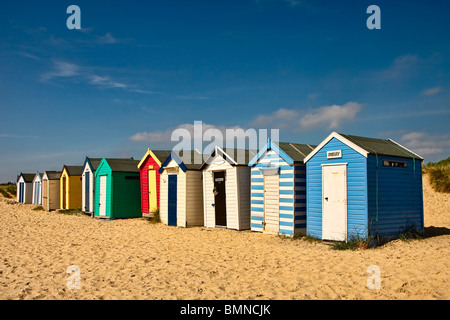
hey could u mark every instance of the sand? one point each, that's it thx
(133, 259)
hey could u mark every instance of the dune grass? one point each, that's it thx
(439, 174)
(8, 191)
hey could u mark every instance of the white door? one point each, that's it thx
(334, 212)
(102, 199)
(271, 203)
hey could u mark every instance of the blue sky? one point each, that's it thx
(137, 70)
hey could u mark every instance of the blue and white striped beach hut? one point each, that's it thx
(363, 187)
(278, 188)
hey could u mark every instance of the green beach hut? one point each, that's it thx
(117, 189)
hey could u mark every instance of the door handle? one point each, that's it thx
(326, 198)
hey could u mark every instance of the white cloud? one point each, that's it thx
(62, 69)
(425, 144)
(210, 136)
(330, 117)
(432, 91)
(282, 118)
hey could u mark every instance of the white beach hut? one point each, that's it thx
(226, 189)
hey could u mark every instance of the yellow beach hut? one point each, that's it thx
(71, 187)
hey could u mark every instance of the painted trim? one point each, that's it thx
(175, 158)
(333, 164)
(405, 148)
(147, 154)
(271, 146)
(342, 139)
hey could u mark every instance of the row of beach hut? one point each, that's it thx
(346, 185)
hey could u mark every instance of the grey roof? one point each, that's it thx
(296, 151)
(95, 162)
(53, 175)
(162, 155)
(28, 177)
(123, 165)
(74, 170)
(191, 163)
(384, 147)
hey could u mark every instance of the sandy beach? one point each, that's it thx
(134, 259)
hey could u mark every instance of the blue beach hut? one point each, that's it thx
(362, 187)
(278, 188)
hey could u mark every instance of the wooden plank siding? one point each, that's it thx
(400, 196)
(122, 192)
(149, 164)
(356, 186)
(237, 194)
(291, 194)
(50, 193)
(73, 190)
(189, 195)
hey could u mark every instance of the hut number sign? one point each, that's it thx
(334, 154)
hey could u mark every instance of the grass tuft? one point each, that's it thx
(439, 174)
(354, 242)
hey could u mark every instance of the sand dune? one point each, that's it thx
(133, 259)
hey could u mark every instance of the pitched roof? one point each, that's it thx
(237, 157)
(53, 175)
(161, 156)
(94, 162)
(191, 163)
(28, 177)
(385, 147)
(296, 151)
(366, 146)
(74, 170)
(123, 165)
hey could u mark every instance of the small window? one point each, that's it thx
(131, 177)
(397, 164)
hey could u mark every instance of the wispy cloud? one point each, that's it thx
(64, 69)
(30, 56)
(401, 66)
(432, 91)
(108, 38)
(17, 136)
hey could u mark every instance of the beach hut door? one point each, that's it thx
(102, 200)
(172, 200)
(334, 212)
(271, 203)
(87, 192)
(21, 190)
(37, 189)
(220, 199)
(64, 192)
(152, 195)
(44, 194)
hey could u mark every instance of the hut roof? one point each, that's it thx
(296, 151)
(123, 165)
(74, 170)
(53, 175)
